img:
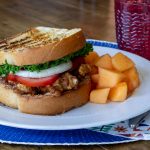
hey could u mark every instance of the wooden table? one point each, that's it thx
(96, 17)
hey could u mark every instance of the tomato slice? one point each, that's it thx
(76, 62)
(33, 82)
(11, 77)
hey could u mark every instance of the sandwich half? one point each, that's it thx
(42, 70)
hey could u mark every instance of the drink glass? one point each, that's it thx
(133, 26)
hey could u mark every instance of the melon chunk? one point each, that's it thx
(104, 62)
(109, 78)
(119, 92)
(99, 95)
(132, 78)
(121, 62)
(91, 58)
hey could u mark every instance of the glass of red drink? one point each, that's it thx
(133, 26)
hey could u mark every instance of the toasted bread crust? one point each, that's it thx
(44, 53)
(46, 105)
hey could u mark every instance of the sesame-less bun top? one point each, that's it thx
(39, 45)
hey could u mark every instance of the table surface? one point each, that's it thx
(96, 17)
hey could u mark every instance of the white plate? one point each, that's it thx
(89, 115)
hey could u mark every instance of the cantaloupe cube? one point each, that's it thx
(99, 95)
(119, 92)
(91, 58)
(133, 80)
(95, 78)
(109, 78)
(121, 62)
(104, 62)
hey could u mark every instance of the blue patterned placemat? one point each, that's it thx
(55, 137)
(64, 137)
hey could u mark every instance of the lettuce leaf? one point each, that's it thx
(6, 68)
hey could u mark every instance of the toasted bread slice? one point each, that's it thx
(44, 104)
(39, 45)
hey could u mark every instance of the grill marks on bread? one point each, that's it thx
(35, 37)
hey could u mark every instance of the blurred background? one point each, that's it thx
(96, 17)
